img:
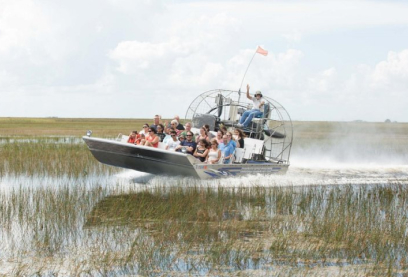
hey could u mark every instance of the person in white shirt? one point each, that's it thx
(173, 142)
(145, 129)
(257, 109)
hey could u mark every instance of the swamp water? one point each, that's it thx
(64, 214)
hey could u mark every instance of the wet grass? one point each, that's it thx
(64, 215)
(48, 158)
(208, 231)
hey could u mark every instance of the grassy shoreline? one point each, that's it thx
(26, 126)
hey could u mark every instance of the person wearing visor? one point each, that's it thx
(257, 109)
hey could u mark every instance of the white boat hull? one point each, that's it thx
(170, 163)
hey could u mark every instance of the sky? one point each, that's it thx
(327, 60)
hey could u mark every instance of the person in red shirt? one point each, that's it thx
(152, 140)
(133, 137)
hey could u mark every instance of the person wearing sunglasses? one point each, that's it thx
(160, 132)
(188, 145)
(214, 154)
(145, 129)
(152, 140)
(174, 124)
(173, 142)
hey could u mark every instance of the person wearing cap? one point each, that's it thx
(257, 109)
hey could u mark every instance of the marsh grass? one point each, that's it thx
(210, 231)
(101, 127)
(45, 157)
(72, 222)
(338, 226)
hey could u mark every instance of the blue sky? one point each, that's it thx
(328, 60)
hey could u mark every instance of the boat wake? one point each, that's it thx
(297, 175)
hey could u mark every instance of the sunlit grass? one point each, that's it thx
(43, 157)
(70, 218)
(212, 230)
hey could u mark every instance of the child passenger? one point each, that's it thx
(133, 137)
(138, 141)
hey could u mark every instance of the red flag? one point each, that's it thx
(261, 51)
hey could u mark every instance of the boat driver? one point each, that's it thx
(257, 109)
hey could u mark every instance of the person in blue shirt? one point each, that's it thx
(231, 140)
(227, 149)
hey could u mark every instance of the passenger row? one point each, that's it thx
(205, 146)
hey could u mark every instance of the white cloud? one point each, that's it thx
(323, 82)
(147, 50)
(20, 22)
(392, 74)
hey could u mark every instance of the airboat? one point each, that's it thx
(266, 148)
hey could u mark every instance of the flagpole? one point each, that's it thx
(239, 91)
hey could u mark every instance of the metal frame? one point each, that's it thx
(278, 124)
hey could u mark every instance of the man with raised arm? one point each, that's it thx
(257, 109)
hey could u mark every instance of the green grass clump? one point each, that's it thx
(47, 158)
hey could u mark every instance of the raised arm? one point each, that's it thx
(248, 96)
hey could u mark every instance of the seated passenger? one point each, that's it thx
(188, 145)
(173, 142)
(179, 126)
(152, 140)
(174, 124)
(160, 131)
(156, 121)
(258, 109)
(167, 131)
(144, 130)
(220, 134)
(231, 139)
(223, 129)
(140, 139)
(181, 138)
(210, 135)
(227, 150)
(203, 135)
(239, 136)
(188, 129)
(201, 151)
(214, 154)
(133, 137)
